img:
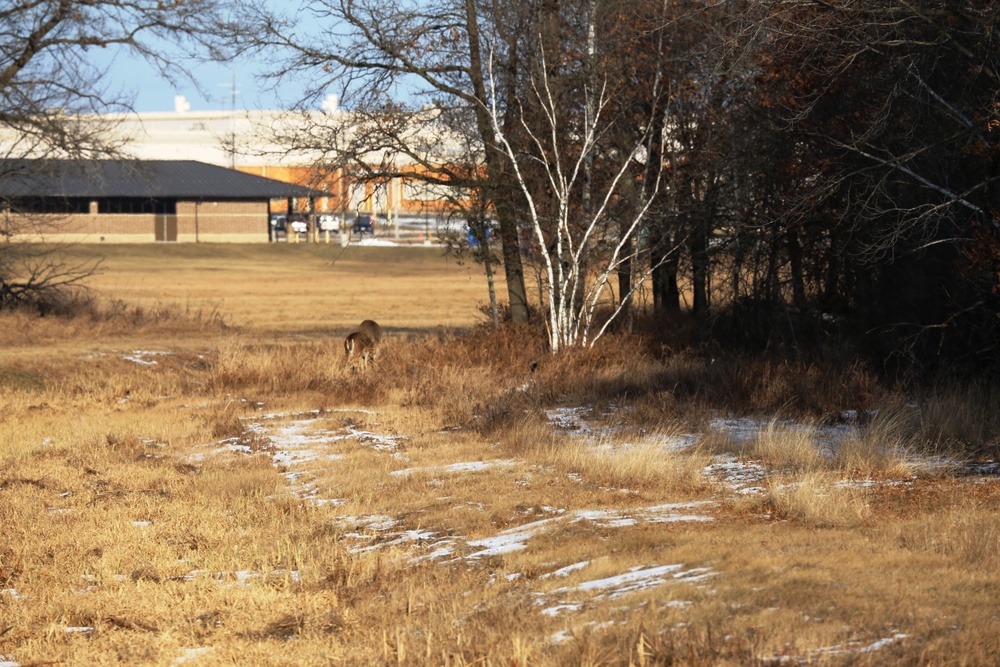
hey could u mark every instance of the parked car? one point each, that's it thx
(475, 235)
(327, 223)
(298, 223)
(279, 225)
(363, 224)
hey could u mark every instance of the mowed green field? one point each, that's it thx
(295, 287)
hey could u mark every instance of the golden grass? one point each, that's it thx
(296, 287)
(151, 513)
(878, 449)
(817, 499)
(786, 446)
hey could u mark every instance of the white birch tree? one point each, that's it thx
(581, 248)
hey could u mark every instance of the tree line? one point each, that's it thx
(786, 174)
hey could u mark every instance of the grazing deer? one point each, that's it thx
(371, 329)
(358, 346)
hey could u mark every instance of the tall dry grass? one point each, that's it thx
(966, 531)
(878, 449)
(960, 416)
(146, 522)
(818, 499)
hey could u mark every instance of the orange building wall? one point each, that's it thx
(340, 183)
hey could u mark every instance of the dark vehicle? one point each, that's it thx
(279, 226)
(363, 224)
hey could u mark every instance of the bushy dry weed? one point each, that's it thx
(92, 317)
(878, 449)
(765, 387)
(961, 417)
(818, 499)
(791, 446)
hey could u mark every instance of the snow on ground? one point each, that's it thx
(299, 443)
(296, 443)
(469, 466)
(291, 441)
(744, 475)
(638, 579)
(190, 654)
(740, 475)
(850, 648)
(616, 586)
(141, 357)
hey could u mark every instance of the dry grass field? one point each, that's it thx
(295, 287)
(190, 474)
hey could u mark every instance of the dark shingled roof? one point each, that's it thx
(180, 179)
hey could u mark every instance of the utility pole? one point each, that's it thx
(230, 139)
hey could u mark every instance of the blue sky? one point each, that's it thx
(213, 85)
(212, 90)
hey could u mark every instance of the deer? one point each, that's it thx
(371, 329)
(358, 345)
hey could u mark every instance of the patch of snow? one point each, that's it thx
(191, 654)
(634, 580)
(638, 579)
(515, 539)
(470, 466)
(569, 420)
(442, 549)
(851, 648)
(395, 539)
(372, 522)
(380, 443)
(243, 578)
(140, 357)
(740, 475)
(555, 610)
(988, 468)
(561, 636)
(566, 571)
(297, 443)
(512, 539)
(655, 514)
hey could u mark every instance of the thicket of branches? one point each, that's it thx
(874, 204)
(786, 173)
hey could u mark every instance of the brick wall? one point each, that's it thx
(84, 228)
(210, 222)
(222, 221)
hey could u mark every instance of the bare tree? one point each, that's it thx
(48, 76)
(50, 93)
(377, 52)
